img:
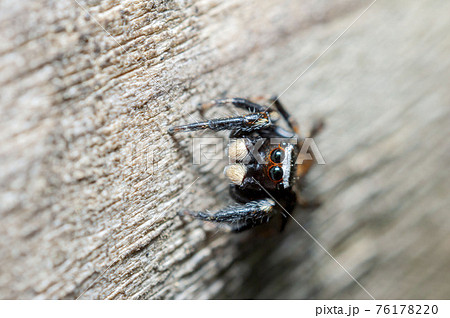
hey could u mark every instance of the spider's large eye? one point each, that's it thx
(276, 173)
(277, 155)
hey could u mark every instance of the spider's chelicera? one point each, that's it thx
(264, 162)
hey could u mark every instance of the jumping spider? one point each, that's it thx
(263, 172)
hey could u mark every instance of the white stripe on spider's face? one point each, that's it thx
(288, 153)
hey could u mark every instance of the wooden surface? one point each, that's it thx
(91, 182)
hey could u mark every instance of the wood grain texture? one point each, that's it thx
(90, 181)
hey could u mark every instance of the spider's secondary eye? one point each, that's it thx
(277, 156)
(276, 173)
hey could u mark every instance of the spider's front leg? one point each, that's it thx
(240, 217)
(250, 122)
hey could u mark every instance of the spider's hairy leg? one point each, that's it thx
(248, 122)
(240, 217)
(306, 165)
(316, 128)
(293, 124)
(237, 102)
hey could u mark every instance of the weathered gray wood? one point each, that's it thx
(84, 210)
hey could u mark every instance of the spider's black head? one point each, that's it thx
(262, 164)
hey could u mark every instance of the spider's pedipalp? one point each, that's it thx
(236, 173)
(237, 150)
